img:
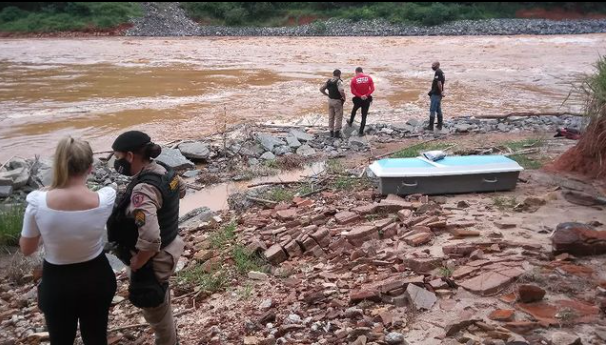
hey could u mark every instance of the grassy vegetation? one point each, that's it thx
(279, 194)
(526, 160)
(65, 16)
(334, 166)
(246, 262)
(345, 183)
(416, 150)
(217, 278)
(221, 238)
(424, 13)
(209, 282)
(525, 144)
(11, 223)
(593, 91)
(445, 272)
(245, 293)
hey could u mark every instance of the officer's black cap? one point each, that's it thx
(130, 141)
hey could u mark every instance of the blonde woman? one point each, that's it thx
(78, 283)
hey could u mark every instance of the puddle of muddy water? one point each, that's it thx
(215, 197)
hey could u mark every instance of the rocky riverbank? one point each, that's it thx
(169, 19)
(247, 151)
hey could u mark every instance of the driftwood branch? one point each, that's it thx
(313, 192)
(263, 201)
(7, 161)
(274, 183)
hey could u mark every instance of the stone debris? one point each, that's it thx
(578, 239)
(343, 267)
(530, 293)
(420, 298)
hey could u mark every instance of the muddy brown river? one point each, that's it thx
(178, 88)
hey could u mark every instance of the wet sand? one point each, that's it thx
(181, 88)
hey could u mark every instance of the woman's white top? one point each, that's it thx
(68, 236)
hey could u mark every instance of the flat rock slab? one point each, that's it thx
(420, 298)
(491, 282)
(6, 191)
(195, 151)
(174, 159)
(301, 136)
(578, 239)
(548, 313)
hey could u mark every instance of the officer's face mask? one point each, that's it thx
(123, 166)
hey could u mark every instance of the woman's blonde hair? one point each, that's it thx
(73, 158)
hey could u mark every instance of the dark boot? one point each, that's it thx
(431, 122)
(332, 133)
(338, 134)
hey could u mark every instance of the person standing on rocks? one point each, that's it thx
(362, 87)
(435, 95)
(336, 99)
(144, 229)
(78, 283)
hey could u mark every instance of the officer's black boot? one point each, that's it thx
(332, 133)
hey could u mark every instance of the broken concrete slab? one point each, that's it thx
(419, 236)
(420, 298)
(458, 250)
(365, 209)
(276, 254)
(488, 283)
(360, 234)
(346, 217)
(357, 296)
(423, 265)
(286, 215)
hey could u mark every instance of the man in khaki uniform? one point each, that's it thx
(144, 226)
(146, 200)
(336, 99)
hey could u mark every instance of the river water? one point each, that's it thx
(187, 87)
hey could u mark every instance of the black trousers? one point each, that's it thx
(73, 293)
(365, 105)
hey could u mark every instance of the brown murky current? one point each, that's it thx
(176, 88)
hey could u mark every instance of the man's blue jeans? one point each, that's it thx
(435, 107)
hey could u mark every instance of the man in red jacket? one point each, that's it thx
(362, 88)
